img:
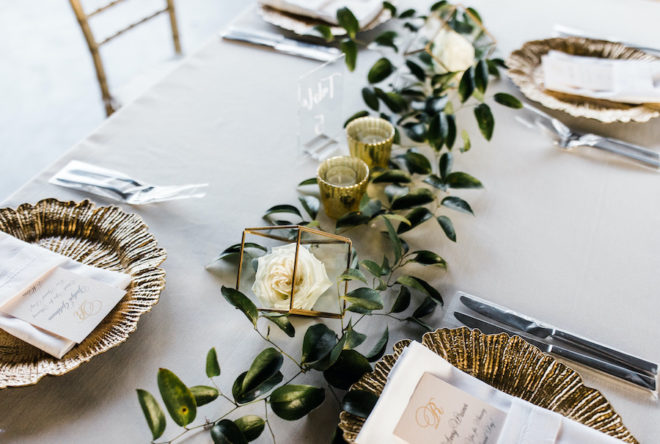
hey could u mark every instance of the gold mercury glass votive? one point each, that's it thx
(370, 139)
(342, 181)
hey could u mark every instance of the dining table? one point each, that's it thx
(571, 238)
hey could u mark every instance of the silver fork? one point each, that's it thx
(567, 138)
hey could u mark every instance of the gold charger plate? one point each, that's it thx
(302, 25)
(526, 72)
(508, 364)
(104, 237)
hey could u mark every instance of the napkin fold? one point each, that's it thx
(364, 10)
(618, 80)
(525, 423)
(35, 264)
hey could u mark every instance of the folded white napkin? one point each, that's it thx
(35, 264)
(628, 81)
(525, 423)
(364, 10)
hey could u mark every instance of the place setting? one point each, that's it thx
(417, 274)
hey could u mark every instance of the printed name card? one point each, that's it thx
(439, 413)
(65, 303)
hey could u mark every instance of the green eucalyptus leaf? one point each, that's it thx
(402, 300)
(245, 397)
(387, 39)
(235, 250)
(481, 76)
(353, 337)
(419, 322)
(331, 357)
(347, 20)
(380, 70)
(415, 131)
(178, 398)
(352, 219)
(325, 32)
(466, 85)
(508, 100)
(397, 218)
(349, 48)
(426, 257)
(386, 263)
(395, 190)
(407, 13)
(311, 204)
(370, 98)
(416, 70)
(436, 104)
(390, 7)
(394, 239)
(458, 204)
(152, 413)
(359, 403)
(226, 432)
(282, 321)
(371, 208)
(317, 343)
(212, 365)
(466, 141)
(420, 196)
(310, 181)
(450, 139)
(448, 227)
(265, 366)
(241, 302)
(445, 164)
(357, 115)
(475, 14)
(420, 285)
(394, 101)
(392, 176)
(485, 120)
(292, 402)
(435, 182)
(348, 369)
(251, 426)
(204, 394)
(364, 297)
(459, 179)
(417, 163)
(438, 129)
(353, 274)
(379, 347)
(287, 209)
(373, 267)
(427, 307)
(438, 5)
(416, 217)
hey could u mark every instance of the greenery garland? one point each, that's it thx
(413, 189)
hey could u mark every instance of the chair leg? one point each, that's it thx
(175, 28)
(96, 56)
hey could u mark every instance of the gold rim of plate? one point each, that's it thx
(304, 26)
(104, 237)
(526, 72)
(511, 365)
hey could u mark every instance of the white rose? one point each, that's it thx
(272, 283)
(453, 51)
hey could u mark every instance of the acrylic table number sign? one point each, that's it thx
(320, 102)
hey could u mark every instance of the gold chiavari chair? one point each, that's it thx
(94, 46)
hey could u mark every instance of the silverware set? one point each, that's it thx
(561, 343)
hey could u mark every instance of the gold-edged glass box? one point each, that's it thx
(294, 269)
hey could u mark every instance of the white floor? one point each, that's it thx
(49, 95)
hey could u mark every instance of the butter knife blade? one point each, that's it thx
(535, 328)
(283, 44)
(608, 368)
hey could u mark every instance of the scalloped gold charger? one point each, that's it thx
(104, 237)
(302, 25)
(526, 72)
(508, 364)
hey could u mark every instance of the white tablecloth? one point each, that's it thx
(572, 239)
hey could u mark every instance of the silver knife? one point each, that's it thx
(282, 44)
(535, 328)
(625, 374)
(564, 31)
(569, 138)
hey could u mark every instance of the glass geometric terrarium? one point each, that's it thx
(293, 269)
